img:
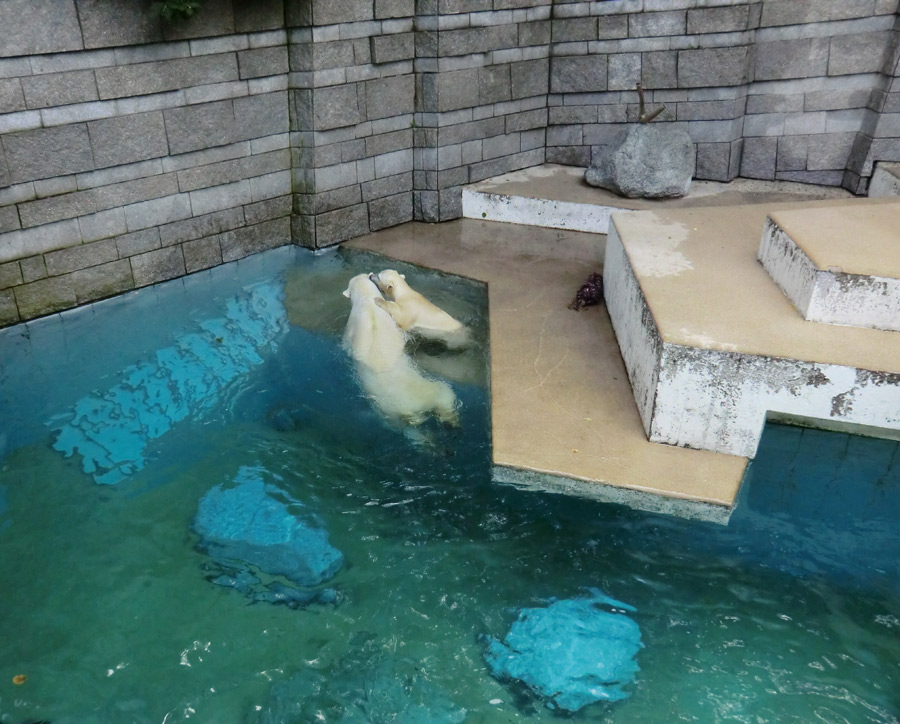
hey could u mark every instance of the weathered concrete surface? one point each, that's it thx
(636, 331)
(838, 265)
(733, 349)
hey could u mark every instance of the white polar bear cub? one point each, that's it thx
(415, 314)
(388, 376)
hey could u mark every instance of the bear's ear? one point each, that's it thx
(403, 276)
(389, 288)
(346, 292)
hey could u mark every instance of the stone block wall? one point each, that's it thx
(799, 90)
(481, 106)
(132, 151)
(398, 103)
(351, 92)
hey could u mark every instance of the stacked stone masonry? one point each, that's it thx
(133, 151)
(800, 90)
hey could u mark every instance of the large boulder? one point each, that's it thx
(648, 161)
(570, 654)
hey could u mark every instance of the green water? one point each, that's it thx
(789, 614)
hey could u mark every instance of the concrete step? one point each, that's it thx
(713, 348)
(839, 265)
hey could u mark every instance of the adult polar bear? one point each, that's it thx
(387, 375)
(415, 314)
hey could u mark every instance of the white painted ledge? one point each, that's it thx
(536, 212)
(832, 295)
(718, 399)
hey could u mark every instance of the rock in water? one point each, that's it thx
(255, 523)
(573, 653)
(648, 162)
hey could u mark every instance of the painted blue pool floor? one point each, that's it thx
(112, 611)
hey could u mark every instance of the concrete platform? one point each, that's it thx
(563, 414)
(885, 180)
(564, 417)
(557, 197)
(713, 346)
(831, 275)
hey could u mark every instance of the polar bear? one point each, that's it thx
(413, 313)
(387, 374)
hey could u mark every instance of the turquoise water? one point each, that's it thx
(789, 614)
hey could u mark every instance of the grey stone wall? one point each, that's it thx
(352, 92)
(481, 107)
(800, 90)
(398, 103)
(132, 151)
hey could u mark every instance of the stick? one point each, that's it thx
(643, 116)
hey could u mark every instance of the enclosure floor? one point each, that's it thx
(563, 415)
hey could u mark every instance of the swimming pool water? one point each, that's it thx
(108, 607)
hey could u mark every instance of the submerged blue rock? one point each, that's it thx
(111, 429)
(252, 528)
(572, 653)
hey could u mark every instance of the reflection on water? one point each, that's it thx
(109, 610)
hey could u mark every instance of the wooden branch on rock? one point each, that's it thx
(643, 116)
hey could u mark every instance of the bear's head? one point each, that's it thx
(388, 281)
(361, 287)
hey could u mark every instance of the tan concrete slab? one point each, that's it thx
(699, 274)
(556, 182)
(561, 403)
(860, 237)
